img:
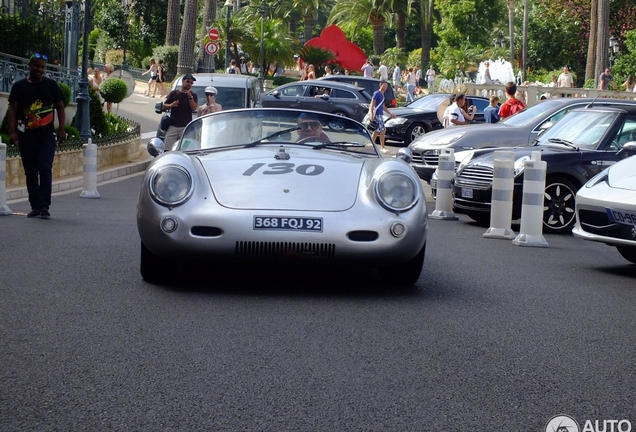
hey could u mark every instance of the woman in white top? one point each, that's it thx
(153, 77)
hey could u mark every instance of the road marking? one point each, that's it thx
(148, 135)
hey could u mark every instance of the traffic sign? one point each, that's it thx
(213, 34)
(211, 48)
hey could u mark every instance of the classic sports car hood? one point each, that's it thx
(623, 175)
(310, 180)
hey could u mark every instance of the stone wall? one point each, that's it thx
(71, 163)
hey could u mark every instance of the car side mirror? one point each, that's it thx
(276, 93)
(156, 147)
(405, 154)
(629, 148)
(545, 126)
(159, 107)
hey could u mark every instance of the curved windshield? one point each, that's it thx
(571, 132)
(260, 127)
(532, 114)
(430, 102)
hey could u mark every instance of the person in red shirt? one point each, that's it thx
(512, 105)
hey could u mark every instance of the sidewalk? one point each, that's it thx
(76, 182)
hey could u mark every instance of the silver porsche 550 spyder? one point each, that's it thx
(271, 185)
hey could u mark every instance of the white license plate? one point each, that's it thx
(467, 193)
(621, 216)
(282, 223)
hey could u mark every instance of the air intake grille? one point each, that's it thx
(475, 176)
(285, 249)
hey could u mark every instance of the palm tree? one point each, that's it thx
(426, 30)
(359, 13)
(591, 43)
(402, 10)
(209, 15)
(185, 63)
(602, 36)
(172, 27)
(511, 27)
(308, 9)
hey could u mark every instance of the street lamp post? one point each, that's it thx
(126, 4)
(228, 5)
(614, 47)
(83, 98)
(261, 58)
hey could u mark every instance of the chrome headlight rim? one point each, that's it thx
(162, 170)
(385, 177)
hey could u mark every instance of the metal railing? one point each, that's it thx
(14, 68)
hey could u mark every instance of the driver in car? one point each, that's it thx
(310, 127)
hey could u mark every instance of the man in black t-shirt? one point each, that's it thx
(33, 102)
(181, 103)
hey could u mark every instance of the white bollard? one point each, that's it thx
(531, 231)
(501, 201)
(90, 171)
(445, 175)
(4, 208)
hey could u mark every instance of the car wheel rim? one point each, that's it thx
(336, 125)
(558, 206)
(417, 131)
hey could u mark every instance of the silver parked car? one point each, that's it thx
(273, 185)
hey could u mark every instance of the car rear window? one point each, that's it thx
(228, 97)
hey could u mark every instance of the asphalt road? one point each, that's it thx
(494, 337)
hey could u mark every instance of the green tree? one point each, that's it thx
(358, 13)
(185, 64)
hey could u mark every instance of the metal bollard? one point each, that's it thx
(4, 208)
(501, 202)
(445, 174)
(531, 231)
(90, 171)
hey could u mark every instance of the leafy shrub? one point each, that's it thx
(113, 90)
(114, 124)
(66, 93)
(316, 56)
(72, 133)
(4, 138)
(114, 56)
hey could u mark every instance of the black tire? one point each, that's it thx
(404, 274)
(482, 219)
(627, 252)
(414, 131)
(558, 203)
(153, 268)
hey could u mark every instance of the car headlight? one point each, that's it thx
(171, 185)
(396, 191)
(396, 121)
(603, 176)
(520, 165)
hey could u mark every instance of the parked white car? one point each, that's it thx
(606, 208)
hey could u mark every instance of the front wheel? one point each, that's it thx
(413, 132)
(404, 274)
(337, 125)
(558, 205)
(627, 252)
(482, 219)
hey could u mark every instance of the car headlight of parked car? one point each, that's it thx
(171, 185)
(520, 165)
(396, 191)
(447, 139)
(603, 176)
(396, 121)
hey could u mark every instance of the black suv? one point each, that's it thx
(369, 84)
(579, 146)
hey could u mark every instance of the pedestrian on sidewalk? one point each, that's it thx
(161, 78)
(33, 102)
(152, 70)
(181, 103)
(376, 114)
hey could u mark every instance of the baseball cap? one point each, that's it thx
(189, 76)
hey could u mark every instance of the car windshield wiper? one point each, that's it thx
(338, 144)
(268, 137)
(564, 142)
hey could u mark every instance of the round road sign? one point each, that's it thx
(211, 48)
(213, 34)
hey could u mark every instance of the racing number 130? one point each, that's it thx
(286, 168)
